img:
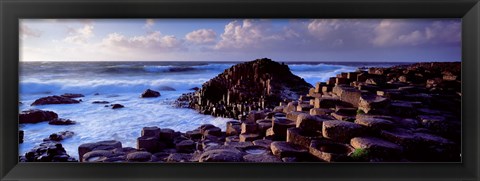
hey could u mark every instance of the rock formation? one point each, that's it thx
(248, 86)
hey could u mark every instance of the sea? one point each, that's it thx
(123, 83)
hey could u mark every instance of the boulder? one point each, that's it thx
(20, 136)
(341, 131)
(139, 156)
(102, 145)
(330, 151)
(36, 116)
(48, 152)
(148, 143)
(343, 116)
(117, 106)
(59, 136)
(167, 135)
(151, 132)
(185, 146)
(100, 102)
(372, 103)
(54, 100)
(70, 95)
(291, 106)
(61, 121)
(285, 149)
(377, 148)
(194, 134)
(150, 93)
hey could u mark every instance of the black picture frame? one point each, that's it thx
(13, 10)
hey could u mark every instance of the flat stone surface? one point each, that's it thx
(375, 123)
(139, 156)
(102, 145)
(341, 131)
(377, 147)
(330, 151)
(221, 155)
(284, 149)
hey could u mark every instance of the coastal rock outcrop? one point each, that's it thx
(248, 86)
(150, 93)
(36, 116)
(55, 100)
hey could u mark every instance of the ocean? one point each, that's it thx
(123, 83)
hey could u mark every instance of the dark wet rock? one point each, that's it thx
(150, 93)
(139, 156)
(285, 149)
(54, 100)
(150, 144)
(48, 152)
(249, 127)
(59, 136)
(185, 146)
(194, 88)
(117, 106)
(100, 102)
(330, 151)
(232, 139)
(263, 125)
(341, 131)
(253, 116)
(70, 95)
(293, 115)
(20, 136)
(61, 121)
(151, 131)
(36, 116)
(102, 145)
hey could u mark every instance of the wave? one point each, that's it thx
(104, 86)
(164, 68)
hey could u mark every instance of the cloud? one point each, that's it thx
(154, 40)
(202, 36)
(26, 31)
(405, 33)
(248, 34)
(149, 24)
(80, 35)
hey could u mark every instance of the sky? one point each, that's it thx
(357, 40)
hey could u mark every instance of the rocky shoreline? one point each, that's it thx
(408, 113)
